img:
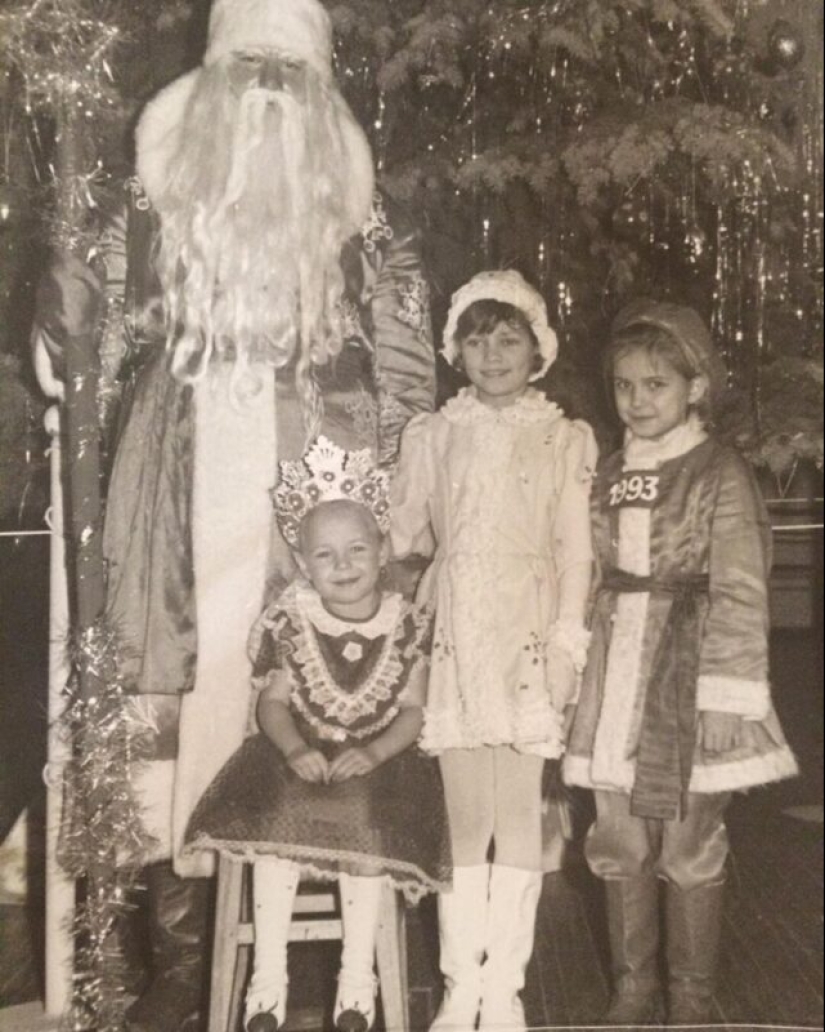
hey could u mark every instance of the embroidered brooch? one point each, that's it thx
(353, 651)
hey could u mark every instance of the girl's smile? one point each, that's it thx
(342, 553)
(499, 364)
(652, 397)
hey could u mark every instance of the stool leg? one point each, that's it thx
(225, 949)
(392, 961)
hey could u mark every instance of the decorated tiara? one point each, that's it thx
(328, 473)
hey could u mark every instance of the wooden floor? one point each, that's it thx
(772, 967)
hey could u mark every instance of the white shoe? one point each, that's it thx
(355, 1004)
(265, 1006)
(462, 935)
(514, 898)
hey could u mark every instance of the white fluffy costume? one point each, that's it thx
(189, 538)
(499, 499)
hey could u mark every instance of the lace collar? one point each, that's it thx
(532, 407)
(644, 454)
(385, 620)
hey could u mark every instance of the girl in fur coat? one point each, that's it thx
(495, 487)
(675, 711)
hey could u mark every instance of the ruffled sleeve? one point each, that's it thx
(734, 652)
(412, 492)
(271, 642)
(415, 642)
(577, 463)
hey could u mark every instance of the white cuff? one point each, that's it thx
(748, 699)
(573, 640)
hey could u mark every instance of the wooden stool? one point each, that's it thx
(316, 917)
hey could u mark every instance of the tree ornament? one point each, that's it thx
(630, 221)
(9, 207)
(786, 48)
(697, 243)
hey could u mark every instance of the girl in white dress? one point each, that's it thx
(495, 488)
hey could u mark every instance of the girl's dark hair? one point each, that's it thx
(482, 317)
(657, 342)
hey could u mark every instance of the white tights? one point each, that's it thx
(493, 794)
(274, 888)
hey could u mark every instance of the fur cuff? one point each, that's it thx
(573, 640)
(740, 775)
(748, 699)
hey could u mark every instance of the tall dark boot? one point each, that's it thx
(694, 927)
(178, 927)
(633, 923)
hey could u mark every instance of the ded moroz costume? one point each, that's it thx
(257, 290)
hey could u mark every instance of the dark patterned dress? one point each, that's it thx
(345, 683)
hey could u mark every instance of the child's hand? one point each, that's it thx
(310, 765)
(352, 763)
(720, 732)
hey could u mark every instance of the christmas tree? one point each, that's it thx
(617, 147)
(605, 148)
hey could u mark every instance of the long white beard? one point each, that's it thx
(258, 256)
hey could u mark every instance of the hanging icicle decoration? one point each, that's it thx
(380, 125)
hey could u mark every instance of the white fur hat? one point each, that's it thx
(300, 28)
(512, 288)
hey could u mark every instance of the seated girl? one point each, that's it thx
(332, 786)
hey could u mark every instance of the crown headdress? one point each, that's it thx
(328, 473)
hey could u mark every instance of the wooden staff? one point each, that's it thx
(87, 591)
(82, 470)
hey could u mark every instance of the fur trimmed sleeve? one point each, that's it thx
(578, 457)
(734, 650)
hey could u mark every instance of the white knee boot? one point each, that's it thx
(514, 898)
(274, 885)
(462, 934)
(360, 910)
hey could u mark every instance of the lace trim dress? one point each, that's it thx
(345, 683)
